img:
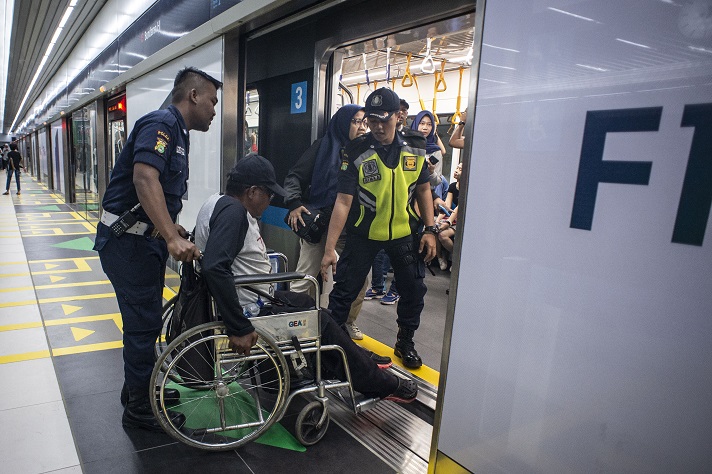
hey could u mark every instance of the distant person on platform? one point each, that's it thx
(14, 164)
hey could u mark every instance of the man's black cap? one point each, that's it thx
(382, 104)
(255, 170)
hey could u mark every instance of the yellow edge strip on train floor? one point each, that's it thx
(426, 373)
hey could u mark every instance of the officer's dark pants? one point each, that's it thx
(136, 267)
(355, 263)
(366, 377)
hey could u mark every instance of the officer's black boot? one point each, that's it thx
(170, 395)
(138, 413)
(405, 348)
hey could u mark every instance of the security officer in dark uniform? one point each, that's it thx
(385, 172)
(137, 231)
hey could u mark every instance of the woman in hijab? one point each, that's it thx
(312, 181)
(434, 149)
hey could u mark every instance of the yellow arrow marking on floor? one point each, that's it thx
(50, 266)
(69, 309)
(80, 333)
(55, 279)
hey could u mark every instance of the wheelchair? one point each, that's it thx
(230, 399)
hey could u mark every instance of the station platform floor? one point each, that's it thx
(62, 369)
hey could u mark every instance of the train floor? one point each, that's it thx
(61, 368)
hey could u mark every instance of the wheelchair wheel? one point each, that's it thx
(228, 399)
(307, 427)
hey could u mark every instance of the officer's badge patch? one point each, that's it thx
(370, 171)
(344, 165)
(163, 134)
(410, 163)
(160, 145)
(376, 101)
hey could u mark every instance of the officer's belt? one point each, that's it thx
(139, 228)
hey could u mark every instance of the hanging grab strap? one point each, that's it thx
(428, 65)
(408, 77)
(440, 85)
(457, 116)
(388, 64)
(420, 99)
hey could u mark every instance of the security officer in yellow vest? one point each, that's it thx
(383, 173)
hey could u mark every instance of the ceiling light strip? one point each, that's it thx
(50, 47)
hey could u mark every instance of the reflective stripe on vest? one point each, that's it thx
(386, 195)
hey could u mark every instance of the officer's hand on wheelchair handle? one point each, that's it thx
(427, 244)
(182, 250)
(243, 344)
(295, 217)
(329, 260)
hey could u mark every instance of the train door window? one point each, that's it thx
(84, 161)
(252, 121)
(428, 66)
(116, 116)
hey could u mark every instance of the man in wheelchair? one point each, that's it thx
(228, 233)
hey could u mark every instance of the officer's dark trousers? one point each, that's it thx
(355, 263)
(136, 266)
(366, 377)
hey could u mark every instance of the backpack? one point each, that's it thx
(192, 309)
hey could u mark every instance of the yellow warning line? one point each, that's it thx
(56, 285)
(15, 327)
(101, 346)
(24, 356)
(58, 300)
(24, 234)
(426, 373)
(73, 259)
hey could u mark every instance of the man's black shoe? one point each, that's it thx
(409, 356)
(170, 395)
(405, 348)
(383, 362)
(406, 392)
(138, 414)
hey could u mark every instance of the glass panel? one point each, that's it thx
(252, 121)
(92, 175)
(117, 134)
(57, 156)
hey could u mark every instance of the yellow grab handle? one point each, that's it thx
(408, 77)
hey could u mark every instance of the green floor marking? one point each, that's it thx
(83, 243)
(48, 208)
(202, 407)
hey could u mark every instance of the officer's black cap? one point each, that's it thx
(382, 104)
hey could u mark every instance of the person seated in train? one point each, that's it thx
(311, 187)
(447, 223)
(228, 234)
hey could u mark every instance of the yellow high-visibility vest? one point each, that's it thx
(386, 195)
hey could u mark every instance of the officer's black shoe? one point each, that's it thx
(405, 348)
(170, 395)
(138, 414)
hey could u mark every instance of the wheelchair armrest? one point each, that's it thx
(268, 278)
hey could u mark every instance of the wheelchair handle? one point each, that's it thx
(268, 278)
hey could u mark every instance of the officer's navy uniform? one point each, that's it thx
(136, 264)
(382, 180)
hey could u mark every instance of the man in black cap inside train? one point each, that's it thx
(137, 231)
(383, 173)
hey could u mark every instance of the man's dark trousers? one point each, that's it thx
(136, 267)
(355, 263)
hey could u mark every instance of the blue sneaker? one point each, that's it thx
(373, 293)
(391, 298)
